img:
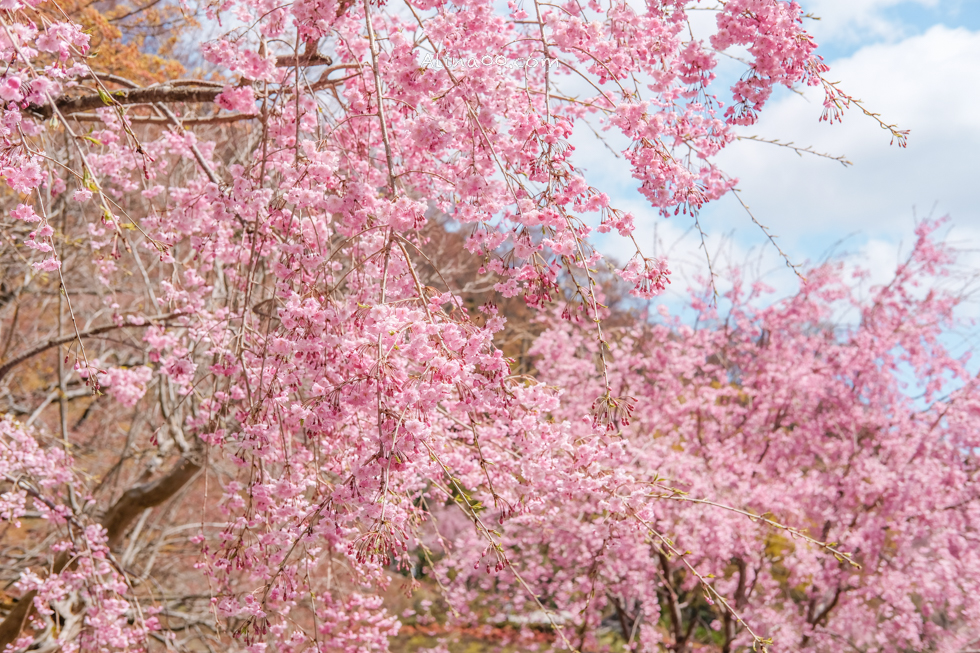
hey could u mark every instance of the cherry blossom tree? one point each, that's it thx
(272, 386)
(761, 419)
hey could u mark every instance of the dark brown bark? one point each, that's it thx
(17, 619)
(163, 93)
(625, 620)
(741, 598)
(309, 58)
(157, 120)
(681, 635)
(135, 500)
(819, 618)
(188, 92)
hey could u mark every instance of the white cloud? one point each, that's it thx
(920, 84)
(852, 21)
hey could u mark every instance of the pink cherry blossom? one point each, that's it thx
(237, 99)
(128, 385)
(10, 89)
(277, 372)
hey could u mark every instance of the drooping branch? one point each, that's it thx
(55, 342)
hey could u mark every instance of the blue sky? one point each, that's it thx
(873, 21)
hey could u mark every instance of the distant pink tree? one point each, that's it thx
(752, 439)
